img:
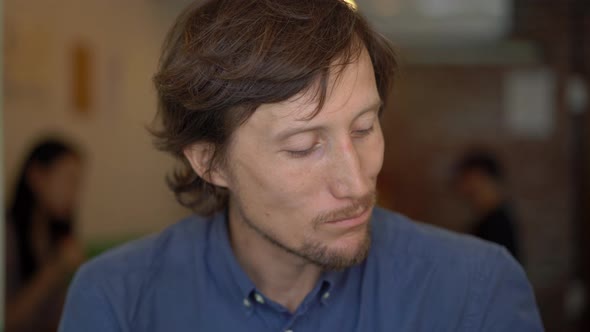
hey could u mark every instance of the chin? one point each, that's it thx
(346, 254)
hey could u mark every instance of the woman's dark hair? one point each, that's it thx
(24, 202)
(224, 59)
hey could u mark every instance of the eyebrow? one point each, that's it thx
(374, 107)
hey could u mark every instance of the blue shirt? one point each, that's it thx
(416, 278)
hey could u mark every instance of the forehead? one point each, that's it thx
(350, 88)
(66, 163)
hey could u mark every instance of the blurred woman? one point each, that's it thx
(42, 252)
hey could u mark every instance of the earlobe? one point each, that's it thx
(200, 155)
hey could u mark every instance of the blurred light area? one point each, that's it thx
(576, 94)
(351, 3)
(425, 22)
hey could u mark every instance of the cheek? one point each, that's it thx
(268, 187)
(371, 155)
(280, 185)
(61, 196)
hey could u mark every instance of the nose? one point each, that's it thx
(347, 179)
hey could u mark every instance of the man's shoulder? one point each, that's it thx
(151, 252)
(398, 235)
(423, 251)
(447, 275)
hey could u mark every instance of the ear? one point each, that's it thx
(199, 155)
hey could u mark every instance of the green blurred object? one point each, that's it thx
(96, 247)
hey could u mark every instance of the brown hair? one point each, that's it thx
(224, 59)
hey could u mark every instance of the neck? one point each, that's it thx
(281, 276)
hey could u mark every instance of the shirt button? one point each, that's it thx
(326, 295)
(259, 298)
(247, 303)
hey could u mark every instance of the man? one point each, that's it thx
(478, 179)
(273, 105)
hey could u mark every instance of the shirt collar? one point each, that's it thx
(226, 269)
(222, 261)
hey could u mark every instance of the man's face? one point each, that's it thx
(307, 185)
(57, 186)
(476, 188)
(466, 185)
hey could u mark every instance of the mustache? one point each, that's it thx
(357, 207)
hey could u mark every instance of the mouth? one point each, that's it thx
(352, 221)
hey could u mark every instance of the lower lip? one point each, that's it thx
(352, 222)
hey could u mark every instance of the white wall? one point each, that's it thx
(440, 22)
(124, 191)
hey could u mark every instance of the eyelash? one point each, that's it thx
(305, 153)
(364, 132)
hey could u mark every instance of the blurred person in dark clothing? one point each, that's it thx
(479, 181)
(42, 252)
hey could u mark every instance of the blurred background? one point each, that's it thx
(508, 76)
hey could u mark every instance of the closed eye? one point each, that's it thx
(363, 132)
(303, 153)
